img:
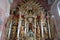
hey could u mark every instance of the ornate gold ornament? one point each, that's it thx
(29, 22)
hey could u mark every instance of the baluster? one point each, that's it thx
(35, 27)
(19, 25)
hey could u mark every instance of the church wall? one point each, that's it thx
(4, 13)
(54, 11)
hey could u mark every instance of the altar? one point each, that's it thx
(29, 21)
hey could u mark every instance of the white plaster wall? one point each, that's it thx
(4, 13)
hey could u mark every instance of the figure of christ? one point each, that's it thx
(31, 30)
(31, 27)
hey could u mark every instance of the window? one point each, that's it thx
(58, 7)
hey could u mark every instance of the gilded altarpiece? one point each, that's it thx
(29, 21)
